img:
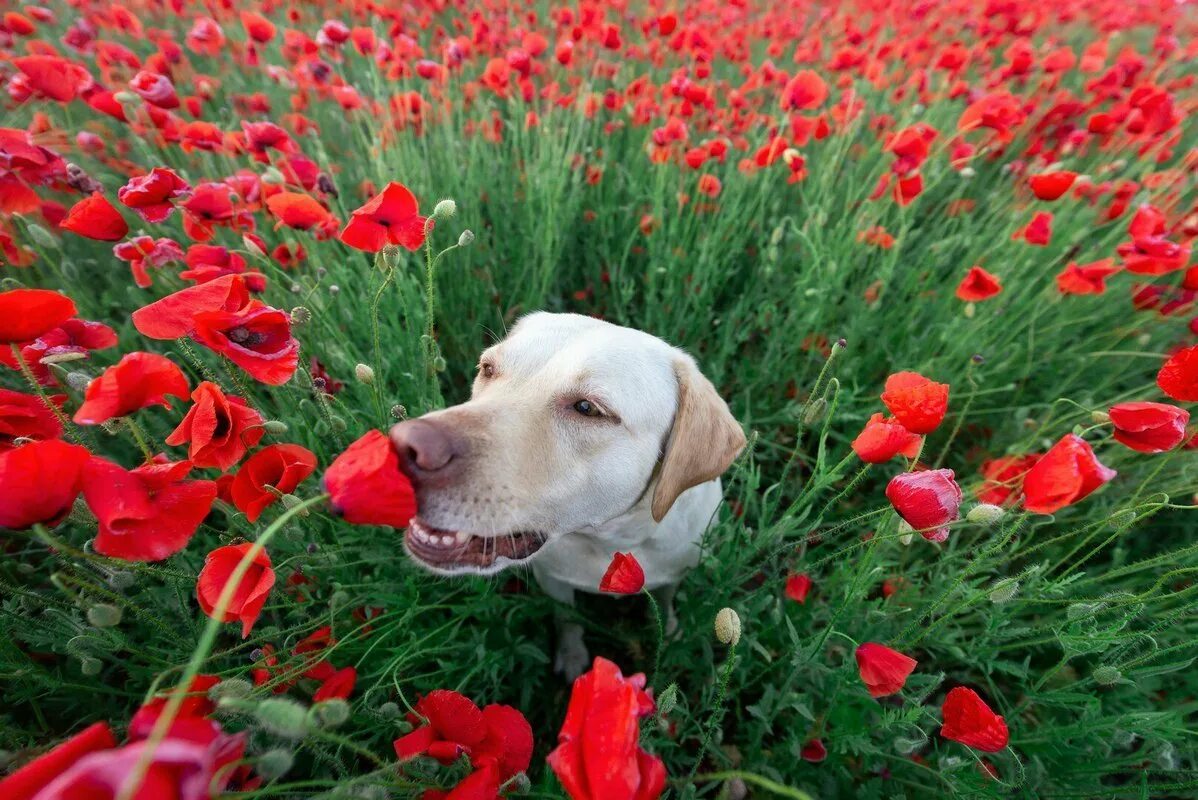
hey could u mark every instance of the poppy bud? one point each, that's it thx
(78, 381)
(667, 700)
(970, 310)
(445, 209)
(906, 533)
(1100, 417)
(1004, 590)
(61, 358)
(125, 97)
(90, 666)
(466, 239)
(233, 688)
(273, 177)
(439, 364)
(329, 713)
(283, 717)
(1107, 676)
(519, 783)
(364, 373)
(274, 427)
(251, 245)
(325, 184)
(727, 626)
(41, 236)
(815, 411)
(389, 710)
(334, 290)
(104, 615)
(122, 580)
(274, 763)
(985, 514)
(300, 316)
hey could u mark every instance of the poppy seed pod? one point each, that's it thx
(727, 627)
(300, 316)
(466, 239)
(275, 428)
(445, 209)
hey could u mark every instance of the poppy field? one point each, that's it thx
(937, 257)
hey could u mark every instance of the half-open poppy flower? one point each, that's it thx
(174, 315)
(928, 500)
(919, 404)
(1051, 185)
(598, 756)
(813, 751)
(1149, 427)
(250, 593)
(151, 195)
(256, 338)
(798, 587)
(196, 705)
(299, 211)
(1003, 477)
(54, 77)
(978, 285)
(145, 514)
(26, 314)
(968, 720)
(25, 416)
(1178, 378)
(338, 685)
(136, 381)
(882, 439)
(274, 470)
(1086, 278)
(38, 483)
(1150, 251)
(95, 218)
(390, 217)
(883, 671)
(366, 487)
(1067, 473)
(624, 575)
(27, 781)
(219, 428)
(449, 725)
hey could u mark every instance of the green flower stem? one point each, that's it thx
(717, 712)
(748, 777)
(661, 635)
(379, 376)
(207, 641)
(139, 437)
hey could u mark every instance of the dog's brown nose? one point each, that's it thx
(428, 450)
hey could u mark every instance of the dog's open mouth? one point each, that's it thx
(450, 550)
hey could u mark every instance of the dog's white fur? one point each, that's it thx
(642, 478)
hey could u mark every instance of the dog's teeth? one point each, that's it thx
(422, 534)
(460, 538)
(446, 540)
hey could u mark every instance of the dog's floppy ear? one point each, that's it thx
(703, 442)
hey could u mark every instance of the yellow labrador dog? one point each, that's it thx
(580, 439)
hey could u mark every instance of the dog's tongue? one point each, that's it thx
(448, 549)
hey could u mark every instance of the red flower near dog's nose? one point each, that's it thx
(24, 416)
(390, 217)
(623, 576)
(151, 195)
(1051, 185)
(882, 670)
(919, 404)
(968, 720)
(1149, 427)
(598, 756)
(38, 483)
(1178, 378)
(29, 780)
(882, 439)
(95, 218)
(136, 381)
(26, 314)
(174, 315)
(250, 593)
(927, 500)
(219, 428)
(1067, 473)
(256, 338)
(280, 467)
(146, 514)
(366, 487)
(978, 285)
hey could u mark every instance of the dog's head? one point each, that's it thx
(572, 422)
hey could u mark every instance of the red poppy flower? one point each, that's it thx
(598, 756)
(174, 315)
(338, 685)
(1178, 378)
(299, 211)
(390, 217)
(882, 439)
(366, 487)
(136, 381)
(26, 314)
(449, 725)
(623, 576)
(54, 77)
(26, 782)
(38, 483)
(1067, 473)
(813, 751)
(927, 500)
(156, 89)
(251, 592)
(1003, 477)
(1149, 427)
(95, 218)
(978, 285)
(1051, 185)
(919, 404)
(196, 705)
(968, 720)
(75, 336)
(257, 27)
(1150, 252)
(281, 467)
(798, 587)
(146, 514)
(256, 338)
(1038, 231)
(151, 195)
(804, 91)
(25, 416)
(1086, 278)
(883, 671)
(218, 427)
(145, 251)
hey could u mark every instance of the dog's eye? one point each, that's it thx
(587, 409)
(486, 369)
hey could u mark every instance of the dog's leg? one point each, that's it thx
(664, 595)
(572, 658)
